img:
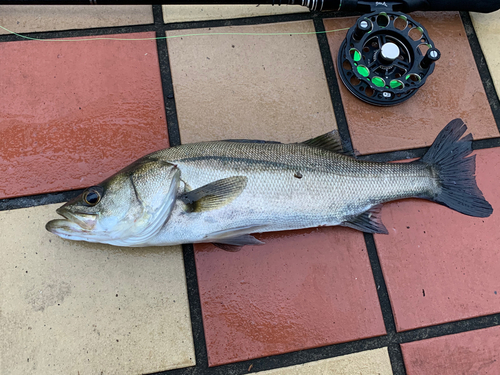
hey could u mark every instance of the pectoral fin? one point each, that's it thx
(214, 195)
(369, 221)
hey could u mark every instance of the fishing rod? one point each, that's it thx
(483, 6)
(386, 56)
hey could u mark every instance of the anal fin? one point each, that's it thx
(369, 221)
(236, 243)
(234, 238)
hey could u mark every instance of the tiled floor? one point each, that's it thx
(463, 353)
(424, 299)
(107, 93)
(255, 87)
(300, 290)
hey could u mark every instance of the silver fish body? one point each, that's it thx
(222, 191)
(289, 186)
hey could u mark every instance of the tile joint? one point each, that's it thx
(482, 67)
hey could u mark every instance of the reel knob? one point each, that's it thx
(385, 58)
(362, 26)
(432, 55)
(389, 52)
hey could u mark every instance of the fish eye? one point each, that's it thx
(92, 196)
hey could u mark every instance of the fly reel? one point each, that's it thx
(386, 57)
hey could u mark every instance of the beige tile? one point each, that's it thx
(186, 13)
(270, 87)
(76, 308)
(487, 28)
(37, 18)
(371, 362)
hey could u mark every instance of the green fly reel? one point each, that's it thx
(386, 57)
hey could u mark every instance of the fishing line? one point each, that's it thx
(168, 37)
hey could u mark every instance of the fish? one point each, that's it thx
(223, 192)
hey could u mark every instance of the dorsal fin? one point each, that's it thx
(330, 141)
(214, 195)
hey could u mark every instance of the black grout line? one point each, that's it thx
(333, 85)
(102, 31)
(394, 155)
(482, 67)
(38, 200)
(200, 348)
(383, 295)
(259, 20)
(445, 329)
(174, 137)
(486, 143)
(284, 360)
(394, 349)
(391, 341)
(478, 144)
(396, 358)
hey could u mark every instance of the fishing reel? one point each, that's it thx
(386, 57)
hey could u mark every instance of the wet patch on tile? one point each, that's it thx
(439, 265)
(189, 13)
(370, 362)
(72, 307)
(443, 98)
(302, 289)
(269, 87)
(78, 112)
(474, 352)
(487, 27)
(39, 18)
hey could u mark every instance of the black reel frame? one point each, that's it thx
(386, 57)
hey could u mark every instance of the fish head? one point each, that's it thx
(127, 209)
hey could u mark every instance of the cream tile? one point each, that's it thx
(186, 13)
(76, 308)
(487, 28)
(37, 18)
(371, 362)
(270, 87)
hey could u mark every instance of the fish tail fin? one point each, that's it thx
(456, 172)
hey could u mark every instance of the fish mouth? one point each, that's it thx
(72, 223)
(63, 228)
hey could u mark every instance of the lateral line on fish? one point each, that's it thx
(241, 160)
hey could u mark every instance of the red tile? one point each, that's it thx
(303, 289)
(453, 90)
(468, 353)
(72, 113)
(439, 265)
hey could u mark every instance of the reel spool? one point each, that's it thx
(386, 57)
